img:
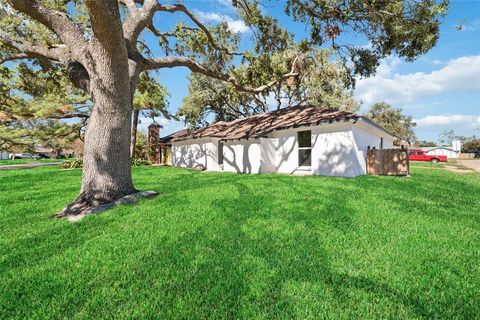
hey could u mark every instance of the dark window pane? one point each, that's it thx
(412, 153)
(305, 157)
(220, 152)
(305, 139)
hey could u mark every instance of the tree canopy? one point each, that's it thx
(39, 106)
(320, 81)
(425, 143)
(393, 120)
(51, 29)
(34, 100)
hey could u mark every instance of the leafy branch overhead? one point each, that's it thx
(320, 81)
(34, 101)
(39, 105)
(408, 28)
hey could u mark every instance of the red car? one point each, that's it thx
(419, 155)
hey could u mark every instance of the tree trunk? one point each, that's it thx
(134, 132)
(106, 161)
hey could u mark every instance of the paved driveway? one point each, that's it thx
(472, 164)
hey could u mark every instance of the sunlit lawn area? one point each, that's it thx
(218, 245)
(22, 161)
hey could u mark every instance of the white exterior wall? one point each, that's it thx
(196, 153)
(286, 151)
(333, 151)
(4, 155)
(444, 152)
(366, 136)
(338, 149)
(243, 156)
(268, 154)
(335, 154)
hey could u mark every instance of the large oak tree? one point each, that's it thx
(99, 42)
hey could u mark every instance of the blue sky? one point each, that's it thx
(441, 89)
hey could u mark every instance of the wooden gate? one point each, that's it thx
(392, 162)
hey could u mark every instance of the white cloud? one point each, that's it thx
(449, 119)
(145, 122)
(226, 3)
(459, 74)
(163, 121)
(235, 25)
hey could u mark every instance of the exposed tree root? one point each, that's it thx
(83, 207)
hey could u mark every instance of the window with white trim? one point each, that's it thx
(304, 148)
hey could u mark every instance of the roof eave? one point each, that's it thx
(373, 124)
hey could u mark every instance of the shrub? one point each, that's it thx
(72, 164)
(140, 162)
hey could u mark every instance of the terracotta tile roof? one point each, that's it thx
(261, 124)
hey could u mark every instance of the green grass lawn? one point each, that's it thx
(22, 161)
(428, 164)
(218, 245)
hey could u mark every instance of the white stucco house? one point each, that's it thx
(451, 152)
(441, 151)
(305, 140)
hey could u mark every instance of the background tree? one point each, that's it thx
(149, 100)
(471, 145)
(100, 49)
(424, 143)
(446, 137)
(393, 120)
(319, 81)
(34, 102)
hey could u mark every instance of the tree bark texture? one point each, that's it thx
(106, 162)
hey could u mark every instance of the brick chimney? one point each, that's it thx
(153, 134)
(153, 140)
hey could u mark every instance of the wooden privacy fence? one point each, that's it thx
(466, 156)
(392, 162)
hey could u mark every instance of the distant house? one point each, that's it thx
(451, 152)
(442, 151)
(4, 155)
(303, 140)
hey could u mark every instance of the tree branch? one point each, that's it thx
(142, 19)
(211, 39)
(195, 66)
(13, 57)
(105, 20)
(130, 4)
(56, 21)
(138, 20)
(57, 53)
